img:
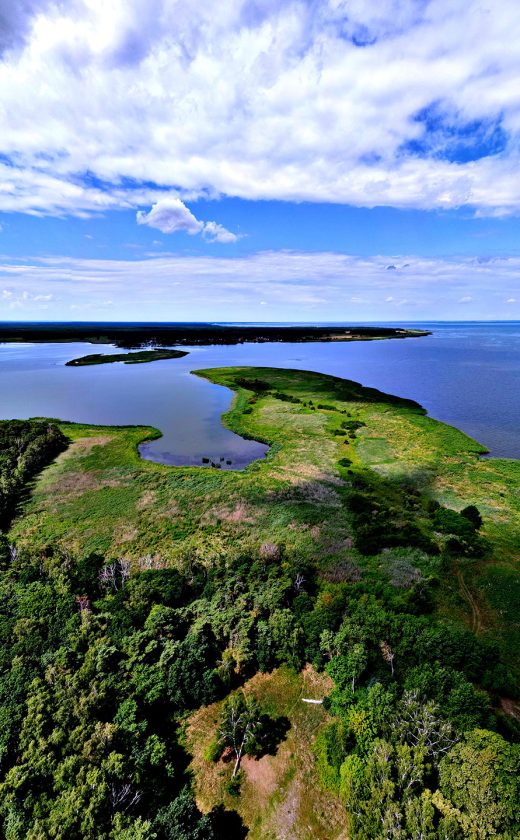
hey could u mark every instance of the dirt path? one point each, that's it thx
(476, 616)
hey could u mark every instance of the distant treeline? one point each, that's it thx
(138, 335)
(26, 446)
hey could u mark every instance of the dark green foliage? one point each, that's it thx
(26, 446)
(472, 513)
(285, 397)
(412, 735)
(352, 425)
(5, 552)
(181, 820)
(458, 700)
(388, 514)
(139, 334)
(89, 691)
(256, 385)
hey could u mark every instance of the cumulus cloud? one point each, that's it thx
(402, 103)
(170, 215)
(299, 285)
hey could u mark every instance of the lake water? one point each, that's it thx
(466, 374)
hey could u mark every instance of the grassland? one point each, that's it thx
(279, 797)
(100, 496)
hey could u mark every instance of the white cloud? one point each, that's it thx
(170, 215)
(511, 300)
(218, 233)
(465, 299)
(299, 285)
(104, 103)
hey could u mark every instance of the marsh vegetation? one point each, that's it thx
(154, 617)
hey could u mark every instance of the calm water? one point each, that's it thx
(464, 374)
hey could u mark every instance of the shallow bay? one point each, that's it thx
(466, 374)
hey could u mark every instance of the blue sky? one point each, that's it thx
(338, 160)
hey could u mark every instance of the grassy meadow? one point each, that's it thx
(101, 496)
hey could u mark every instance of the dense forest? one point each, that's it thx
(102, 661)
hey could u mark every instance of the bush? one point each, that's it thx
(472, 513)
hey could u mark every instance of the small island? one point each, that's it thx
(138, 358)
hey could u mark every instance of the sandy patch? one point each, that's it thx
(147, 500)
(170, 511)
(76, 483)
(262, 774)
(307, 491)
(83, 446)
(125, 533)
(239, 512)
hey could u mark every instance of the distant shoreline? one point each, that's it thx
(152, 336)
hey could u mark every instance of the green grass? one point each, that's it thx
(101, 496)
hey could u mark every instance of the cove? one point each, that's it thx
(35, 381)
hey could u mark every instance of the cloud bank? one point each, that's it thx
(289, 285)
(406, 103)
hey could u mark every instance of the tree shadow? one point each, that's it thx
(272, 732)
(227, 825)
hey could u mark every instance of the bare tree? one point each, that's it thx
(299, 581)
(123, 797)
(124, 568)
(420, 725)
(239, 724)
(108, 576)
(83, 602)
(388, 655)
(145, 563)
(269, 552)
